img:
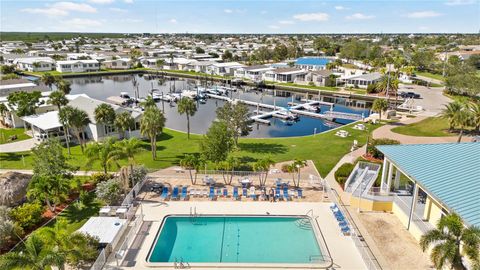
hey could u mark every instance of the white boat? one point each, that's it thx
(288, 114)
(192, 94)
(125, 95)
(311, 108)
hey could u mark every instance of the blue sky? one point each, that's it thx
(246, 16)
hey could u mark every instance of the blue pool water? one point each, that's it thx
(235, 240)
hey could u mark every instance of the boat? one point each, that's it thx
(202, 101)
(125, 95)
(288, 115)
(311, 108)
(192, 94)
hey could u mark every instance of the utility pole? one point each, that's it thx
(445, 58)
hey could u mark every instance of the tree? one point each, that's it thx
(229, 165)
(149, 102)
(320, 44)
(127, 149)
(51, 174)
(123, 122)
(380, 105)
(295, 169)
(423, 60)
(109, 191)
(105, 153)
(63, 86)
(76, 119)
(191, 162)
(217, 142)
(452, 241)
(199, 50)
(280, 52)
(35, 256)
(388, 85)
(58, 99)
(188, 107)
(105, 115)
(24, 103)
(152, 123)
(7, 69)
(475, 115)
(48, 79)
(262, 166)
(160, 63)
(135, 54)
(236, 118)
(227, 55)
(453, 113)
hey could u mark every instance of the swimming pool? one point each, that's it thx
(237, 239)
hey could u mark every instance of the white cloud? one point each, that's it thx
(359, 16)
(172, 20)
(119, 10)
(61, 9)
(339, 7)
(273, 26)
(101, 1)
(79, 23)
(423, 14)
(286, 22)
(459, 2)
(228, 10)
(319, 16)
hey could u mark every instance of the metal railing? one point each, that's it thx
(130, 197)
(101, 260)
(129, 238)
(367, 255)
(421, 224)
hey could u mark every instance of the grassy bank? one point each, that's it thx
(6, 133)
(324, 149)
(429, 127)
(100, 72)
(431, 75)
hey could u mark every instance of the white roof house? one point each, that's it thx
(77, 65)
(45, 121)
(107, 229)
(34, 63)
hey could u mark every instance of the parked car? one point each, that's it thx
(409, 95)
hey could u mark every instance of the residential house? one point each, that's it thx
(317, 77)
(223, 69)
(78, 66)
(35, 64)
(122, 63)
(254, 73)
(361, 81)
(311, 63)
(284, 75)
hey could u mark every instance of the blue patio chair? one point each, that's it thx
(225, 192)
(235, 193)
(333, 207)
(343, 223)
(345, 230)
(219, 192)
(184, 193)
(244, 192)
(164, 193)
(299, 193)
(286, 197)
(212, 193)
(339, 216)
(277, 192)
(175, 193)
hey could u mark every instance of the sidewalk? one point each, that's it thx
(20, 146)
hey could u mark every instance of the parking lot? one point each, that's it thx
(431, 99)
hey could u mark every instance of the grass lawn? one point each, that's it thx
(57, 73)
(5, 133)
(324, 149)
(194, 73)
(307, 86)
(431, 75)
(429, 127)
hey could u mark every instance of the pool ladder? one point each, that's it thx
(304, 223)
(194, 216)
(180, 264)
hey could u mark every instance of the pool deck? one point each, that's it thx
(345, 254)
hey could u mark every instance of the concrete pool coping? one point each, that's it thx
(342, 248)
(319, 239)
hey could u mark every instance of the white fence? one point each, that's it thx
(128, 240)
(130, 197)
(101, 259)
(367, 255)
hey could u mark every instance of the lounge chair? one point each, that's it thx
(174, 193)
(277, 193)
(225, 192)
(343, 223)
(299, 193)
(184, 193)
(219, 192)
(244, 192)
(263, 196)
(235, 193)
(253, 195)
(286, 197)
(333, 206)
(345, 230)
(192, 192)
(204, 193)
(164, 193)
(212, 193)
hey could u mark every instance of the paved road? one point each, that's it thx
(430, 80)
(19, 146)
(432, 99)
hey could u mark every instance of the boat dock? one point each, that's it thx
(279, 112)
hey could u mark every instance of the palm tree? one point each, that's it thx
(380, 105)
(105, 115)
(48, 79)
(35, 256)
(105, 153)
(464, 118)
(188, 107)
(151, 125)
(475, 114)
(229, 165)
(388, 85)
(128, 148)
(263, 166)
(149, 102)
(76, 119)
(453, 112)
(295, 168)
(452, 241)
(58, 99)
(191, 162)
(63, 86)
(123, 122)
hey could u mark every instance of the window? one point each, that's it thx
(109, 129)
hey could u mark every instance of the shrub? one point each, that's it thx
(8, 227)
(372, 88)
(343, 172)
(27, 215)
(100, 177)
(138, 174)
(109, 191)
(311, 83)
(372, 149)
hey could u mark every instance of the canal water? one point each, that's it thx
(102, 87)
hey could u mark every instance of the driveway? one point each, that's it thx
(20, 146)
(431, 99)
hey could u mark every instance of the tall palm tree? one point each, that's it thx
(105, 115)
(388, 85)
(380, 105)
(76, 119)
(105, 153)
(58, 99)
(295, 168)
(149, 102)
(475, 114)
(128, 148)
(48, 79)
(191, 162)
(152, 123)
(188, 107)
(63, 86)
(123, 122)
(452, 241)
(263, 166)
(453, 112)
(35, 256)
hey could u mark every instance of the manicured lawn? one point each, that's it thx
(324, 149)
(194, 73)
(6, 133)
(431, 75)
(429, 127)
(307, 86)
(100, 72)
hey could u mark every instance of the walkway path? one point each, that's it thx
(77, 173)
(19, 146)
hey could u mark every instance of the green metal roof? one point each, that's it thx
(450, 172)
